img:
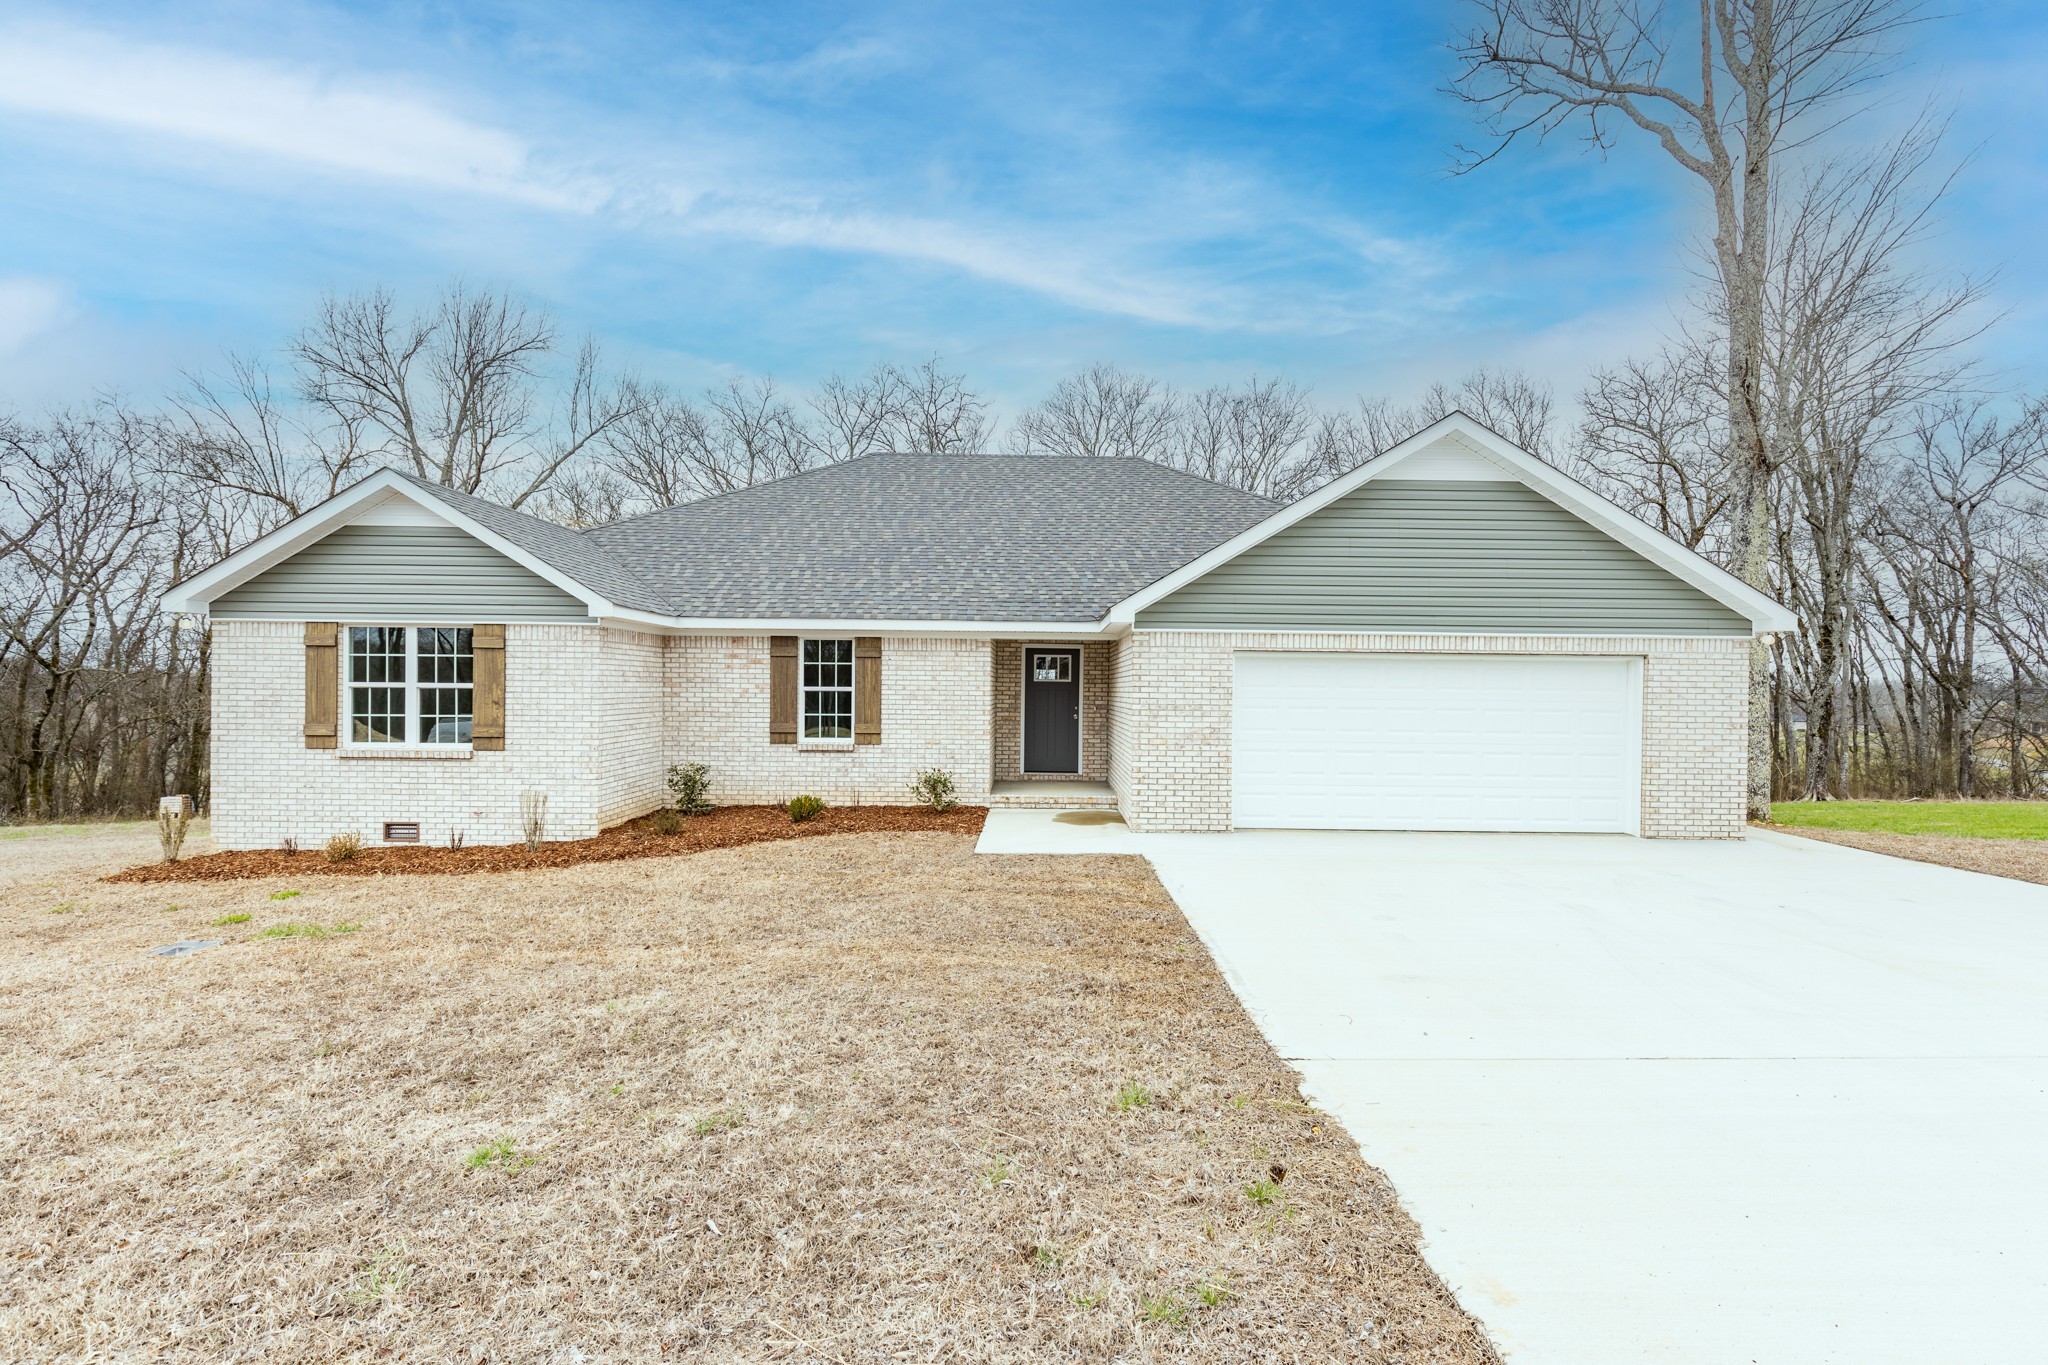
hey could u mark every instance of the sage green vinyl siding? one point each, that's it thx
(404, 572)
(1443, 555)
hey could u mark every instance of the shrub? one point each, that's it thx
(533, 818)
(170, 829)
(934, 789)
(290, 846)
(343, 848)
(690, 785)
(802, 808)
(668, 821)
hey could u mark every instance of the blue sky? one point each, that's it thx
(795, 189)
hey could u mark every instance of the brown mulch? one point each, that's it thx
(725, 827)
(2024, 860)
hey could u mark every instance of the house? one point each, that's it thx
(1455, 636)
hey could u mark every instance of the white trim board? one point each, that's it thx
(1447, 443)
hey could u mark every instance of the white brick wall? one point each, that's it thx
(573, 698)
(935, 714)
(1170, 695)
(624, 709)
(595, 716)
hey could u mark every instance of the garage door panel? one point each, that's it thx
(1485, 742)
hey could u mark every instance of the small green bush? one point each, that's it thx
(934, 790)
(343, 848)
(668, 821)
(690, 785)
(802, 808)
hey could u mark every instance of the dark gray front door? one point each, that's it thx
(1052, 710)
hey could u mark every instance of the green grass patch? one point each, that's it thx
(719, 1122)
(1946, 819)
(1132, 1095)
(232, 919)
(502, 1155)
(285, 895)
(295, 930)
(50, 831)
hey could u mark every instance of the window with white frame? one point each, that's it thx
(827, 675)
(410, 684)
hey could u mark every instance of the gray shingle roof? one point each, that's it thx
(570, 552)
(925, 538)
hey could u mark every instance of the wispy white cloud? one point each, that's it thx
(1127, 258)
(294, 113)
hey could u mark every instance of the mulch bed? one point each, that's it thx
(725, 827)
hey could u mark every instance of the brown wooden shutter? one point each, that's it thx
(323, 684)
(867, 690)
(487, 717)
(782, 689)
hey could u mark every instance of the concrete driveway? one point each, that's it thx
(1769, 1101)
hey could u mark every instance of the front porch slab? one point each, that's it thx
(1054, 794)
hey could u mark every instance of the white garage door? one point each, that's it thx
(1433, 741)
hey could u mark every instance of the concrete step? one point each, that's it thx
(1052, 796)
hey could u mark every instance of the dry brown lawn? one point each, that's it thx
(858, 1098)
(2023, 860)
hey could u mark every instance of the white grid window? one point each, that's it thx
(827, 679)
(410, 685)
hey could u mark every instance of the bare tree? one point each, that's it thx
(935, 412)
(1930, 572)
(859, 417)
(453, 393)
(1250, 436)
(657, 451)
(1723, 87)
(752, 435)
(96, 690)
(236, 432)
(1101, 410)
(1857, 339)
(1654, 439)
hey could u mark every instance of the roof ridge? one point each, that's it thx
(735, 492)
(833, 465)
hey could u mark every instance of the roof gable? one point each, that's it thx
(1457, 554)
(1447, 463)
(391, 499)
(397, 569)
